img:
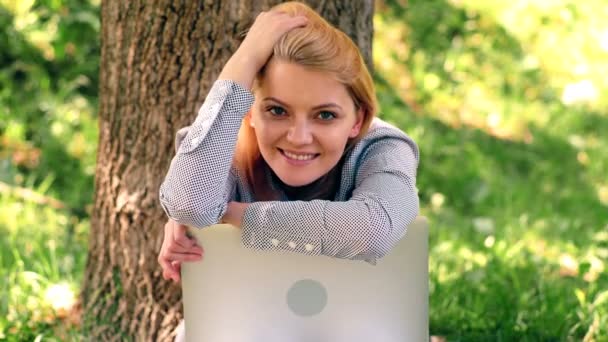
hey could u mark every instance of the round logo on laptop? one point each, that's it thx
(307, 297)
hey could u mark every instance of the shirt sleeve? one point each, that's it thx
(367, 226)
(200, 180)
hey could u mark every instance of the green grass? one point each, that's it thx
(42, 256)
(512, 178)
(518, 241)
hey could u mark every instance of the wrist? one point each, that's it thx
(240, 69)
(235, 213)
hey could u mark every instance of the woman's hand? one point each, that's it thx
(177, 247)
(257, 47)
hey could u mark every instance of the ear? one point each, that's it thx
(357, 127)
(249, 118)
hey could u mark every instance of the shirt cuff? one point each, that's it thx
(258, 235)
(228, 102)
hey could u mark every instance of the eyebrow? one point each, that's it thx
(324, 105)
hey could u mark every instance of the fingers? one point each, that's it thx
(293, 22)
(169, 271)
(171, 263)
(176, 265)
(177, 240)
(173, 272)
(182, 257)
(270, 26)
(257, 47)
(182, 242)
(180, 237)
(280, 22)
(176, 248)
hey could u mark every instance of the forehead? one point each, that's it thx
(301, 86)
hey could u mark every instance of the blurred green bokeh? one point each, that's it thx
(504, 99)
(49, 64)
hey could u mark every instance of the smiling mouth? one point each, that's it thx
(299, 156)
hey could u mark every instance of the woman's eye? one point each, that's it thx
(325, 115)
(276, 110)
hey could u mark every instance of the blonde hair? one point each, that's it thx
(321, 47)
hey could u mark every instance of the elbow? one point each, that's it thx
(380, 244)
(191, 212)
(384, 238)
(380, 237)
(199, 217)
(390, 227)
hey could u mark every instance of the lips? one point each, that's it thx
(299, 156)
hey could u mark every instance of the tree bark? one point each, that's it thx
(158, 60)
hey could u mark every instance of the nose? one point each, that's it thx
(299, 133)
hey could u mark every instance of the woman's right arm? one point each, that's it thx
(197, 187)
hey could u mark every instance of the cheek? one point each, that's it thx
(334, 141)
(265, 135)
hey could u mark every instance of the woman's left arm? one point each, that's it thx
(367, 226)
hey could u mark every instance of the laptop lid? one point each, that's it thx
(240, 294)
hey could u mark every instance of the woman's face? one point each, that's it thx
(302, 119)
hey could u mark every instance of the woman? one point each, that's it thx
(299, 162)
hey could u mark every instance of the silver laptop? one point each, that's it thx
(239, 294)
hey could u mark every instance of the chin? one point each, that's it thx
(296, 181)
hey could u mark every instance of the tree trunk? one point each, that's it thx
(158, 60)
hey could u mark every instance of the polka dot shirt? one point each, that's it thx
(376, 199)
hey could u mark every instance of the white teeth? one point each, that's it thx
(299, 156)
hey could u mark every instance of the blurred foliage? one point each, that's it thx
(504, 99)
(49, 57)
(42, 258)
(49, 60)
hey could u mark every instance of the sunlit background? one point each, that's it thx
(507, 100)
